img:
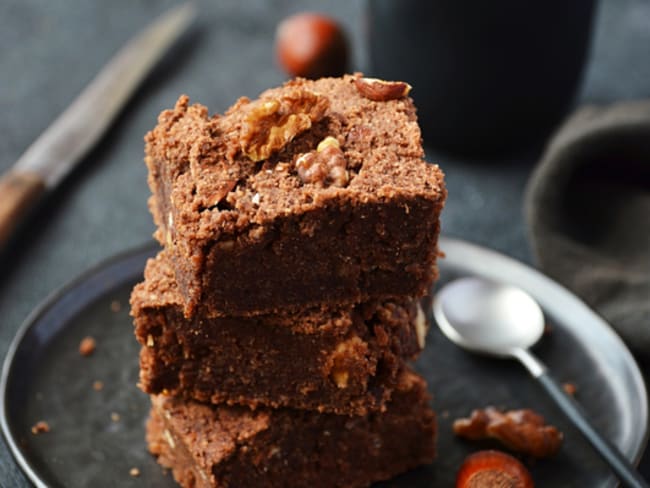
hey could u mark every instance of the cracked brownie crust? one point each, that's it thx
(220, 446)
(344, 360)
(262, 215)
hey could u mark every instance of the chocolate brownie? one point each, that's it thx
(344, 360)
(221, 446)
(317, 192)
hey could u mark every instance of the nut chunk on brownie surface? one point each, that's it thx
(346, 360)
(314, 193)
(221, 446)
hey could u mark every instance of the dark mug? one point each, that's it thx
(487, 76)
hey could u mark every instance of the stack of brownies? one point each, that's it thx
(300, 232)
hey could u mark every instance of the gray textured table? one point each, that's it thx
(50, 50)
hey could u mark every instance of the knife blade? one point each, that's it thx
(69, 138)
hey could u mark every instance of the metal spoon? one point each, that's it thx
(504, 321)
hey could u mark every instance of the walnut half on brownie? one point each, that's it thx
(315, 193)
(345, 360)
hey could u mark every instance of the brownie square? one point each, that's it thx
(221, 446)
(311, 194)
(344, 360)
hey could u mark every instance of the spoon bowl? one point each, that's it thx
(488, 317)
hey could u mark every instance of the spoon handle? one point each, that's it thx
(626, 473)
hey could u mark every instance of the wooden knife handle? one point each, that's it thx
(19, 191)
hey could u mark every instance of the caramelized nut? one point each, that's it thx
(380, 90)
(272, 123)
(326, 166)
(520, 430)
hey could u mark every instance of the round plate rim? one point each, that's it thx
(456, 252)
(32, 318)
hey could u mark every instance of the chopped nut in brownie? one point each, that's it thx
(380, 90)
(87, 346)
(520, 430)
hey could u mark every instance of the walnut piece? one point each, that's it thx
(421, 327)
(380, 90)
(345, 353)
(520, 430)
(325, 166)
(273, 123)
(218, 191)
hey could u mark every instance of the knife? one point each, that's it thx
(64, 143)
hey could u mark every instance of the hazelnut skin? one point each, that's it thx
(311, 45)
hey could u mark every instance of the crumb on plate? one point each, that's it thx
(87, 346)
(40, 427)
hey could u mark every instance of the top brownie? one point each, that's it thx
(315, 193)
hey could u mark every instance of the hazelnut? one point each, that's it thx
(311, 45)
(381, 90)
(493, 468)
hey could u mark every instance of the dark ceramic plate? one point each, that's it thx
(96, 437)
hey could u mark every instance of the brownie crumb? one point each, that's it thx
(98, 385)
(87, 346)
(570, 388)
(116, 306)
(115, 417)
(135, 472)
(40, 427)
